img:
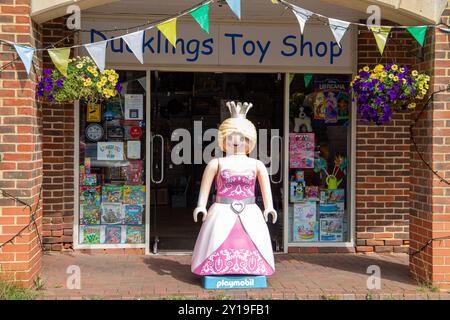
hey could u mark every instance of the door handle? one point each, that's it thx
(152, 172)
(280, 159)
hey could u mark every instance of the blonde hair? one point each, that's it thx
(237, 125)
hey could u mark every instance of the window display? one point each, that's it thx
(112, 168)
(319, 146)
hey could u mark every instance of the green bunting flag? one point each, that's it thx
(418, 33)
(307, 78)
(201, 15)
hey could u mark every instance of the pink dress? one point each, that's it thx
(233, 243)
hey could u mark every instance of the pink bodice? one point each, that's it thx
(236, 185)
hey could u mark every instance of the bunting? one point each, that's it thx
(169, 30)
(307, 77)
(418, 33)
(134, 41)
(26, 55)
(235, 6)
(302, 16)
(201, 15)
(381, 35)
(97, 51)
(338, 27)
(60, 58)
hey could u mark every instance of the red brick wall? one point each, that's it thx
(20, 147)
(382, 161)
(430, 204)
(58, 154)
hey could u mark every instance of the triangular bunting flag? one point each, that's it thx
(97, 51)
(291, 77)
(143, 82)
(307, 78)
(235, 6)
(381, 35)
(274, 1)
(302, 16)
(169, 30)
(134, 42)
(60, 58)
(26, 55)
(201, 15)
(338, 27)
(418, 33)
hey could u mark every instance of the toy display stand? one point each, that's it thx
(234, 282)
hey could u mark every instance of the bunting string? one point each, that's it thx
(200, 13)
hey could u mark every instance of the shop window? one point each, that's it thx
(319, 153)
(112, 188)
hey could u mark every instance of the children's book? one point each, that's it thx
(112, 213)
(134, 194)
(312, 193)
(331, 229)
(90, 234)
(113, 234)
(88, 179)
(112, 194)
(297, 191)
(90, 195)
(305, 230)
(135, 234)
(134, 172)
(89, 214)
(133, 213)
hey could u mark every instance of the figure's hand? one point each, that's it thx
(200, 210)
(270, 211)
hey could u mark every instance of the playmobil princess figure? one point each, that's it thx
(234, 238)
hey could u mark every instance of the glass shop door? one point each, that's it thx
(186, 108)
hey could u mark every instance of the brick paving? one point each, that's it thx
(298, 276)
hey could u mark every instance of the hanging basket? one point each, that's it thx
(384, 89)
(84, 82)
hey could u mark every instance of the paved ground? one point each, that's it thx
(320, 276)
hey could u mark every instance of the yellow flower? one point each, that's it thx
(427, 86)
(415, 73)
(104, 79)
(394, 67)
(424, 92)
(420, 86)
(366, 69)
(384, 74)
(411, 105)
(404, 81)
(402, 70)
(111, 78)
(378, 68)
(80, 65)
(87, 84)
(391, 76)
(396, 79)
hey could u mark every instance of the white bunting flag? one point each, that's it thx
(302, 16)
(26, 55)
(134, 41)
(97, 50)
(338, 27)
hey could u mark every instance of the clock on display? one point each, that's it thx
(94, 132)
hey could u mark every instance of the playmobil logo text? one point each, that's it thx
(230, 284)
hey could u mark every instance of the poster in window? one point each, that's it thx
(113, 235)
(134, 172)
(331, 99)
(89, 214)
(90, 234)
(134, 194)
(305, 230)
(110, 151)
(134, 107)
(133, 213)
(331, 229)
(134, 149)
(301, 150)
(135, 234)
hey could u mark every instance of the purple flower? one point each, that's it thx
(119, 88)
(50, 98)
(48, 88)
(47, 72)
(59, 83)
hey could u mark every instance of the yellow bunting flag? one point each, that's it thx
(381, 35)
(169, 30)
(60, 58)
(275, 1)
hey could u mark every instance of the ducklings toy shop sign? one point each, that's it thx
(230, 45)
